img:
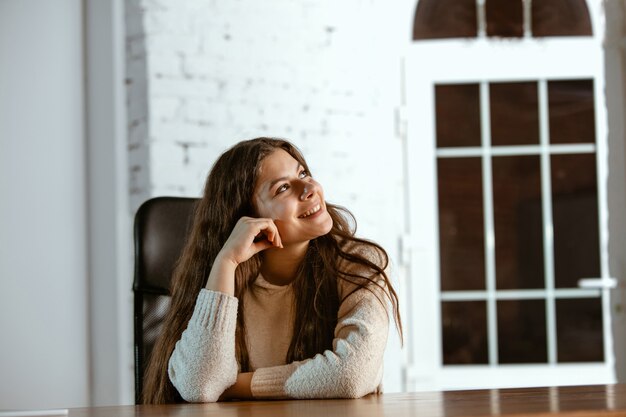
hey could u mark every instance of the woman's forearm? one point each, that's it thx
(203, 362)
(222, 276)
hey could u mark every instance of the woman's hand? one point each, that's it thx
(249, 237)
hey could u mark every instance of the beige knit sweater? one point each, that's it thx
(203, 364)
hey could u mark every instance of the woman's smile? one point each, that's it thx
(311, 212)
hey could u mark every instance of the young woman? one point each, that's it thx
(273, 296)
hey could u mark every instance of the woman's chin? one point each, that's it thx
(326, 226)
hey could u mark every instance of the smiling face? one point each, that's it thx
(286, 193)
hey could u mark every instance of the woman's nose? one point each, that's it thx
(307, 191)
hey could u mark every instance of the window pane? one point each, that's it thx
(505, 18)
(518, 222)
(571, 111)
(445, 19)
(457, 110)
(461, 241)
(464, 332)
(522, 331)
(579, 330)
(514, 113)
(575, 218)
(560, 18)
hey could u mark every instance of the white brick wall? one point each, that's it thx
(204, 74)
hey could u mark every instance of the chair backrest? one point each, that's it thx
(161, 228)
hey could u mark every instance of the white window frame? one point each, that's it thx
(483, 61)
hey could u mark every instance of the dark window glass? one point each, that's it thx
(518, 222)
(464, 332)
(514, 113)
(571, 111)
(462, 249)
(445, 19)
(505, 18)
(435, 19)
(560, 18)
(575, 219)
(522, 331)
(579, 330)
(457, 108)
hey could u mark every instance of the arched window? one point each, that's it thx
(507, 133)
(438, 19)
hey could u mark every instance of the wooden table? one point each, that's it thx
(605, 400)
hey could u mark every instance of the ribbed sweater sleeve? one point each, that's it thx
(203, 363)
(351, 370)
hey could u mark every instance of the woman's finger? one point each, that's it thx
(269, 229)
(275, 235)
(261, 245)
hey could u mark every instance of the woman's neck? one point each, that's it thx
(280, 265)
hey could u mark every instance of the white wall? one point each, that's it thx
(109, 216)
(43, 268)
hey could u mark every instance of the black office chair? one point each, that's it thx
(161, 228)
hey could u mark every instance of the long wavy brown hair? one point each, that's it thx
(338, 255)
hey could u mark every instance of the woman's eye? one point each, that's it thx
(282, 188)
(304, 173)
